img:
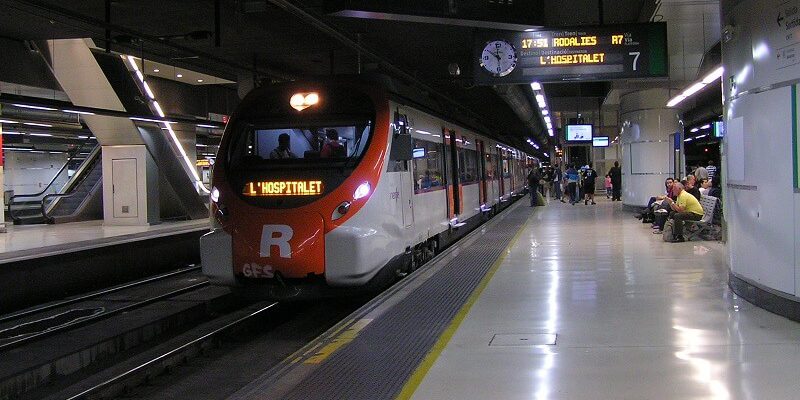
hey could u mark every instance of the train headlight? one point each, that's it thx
(215, 195)
(301, 101)
(361, 191)
(341, 210)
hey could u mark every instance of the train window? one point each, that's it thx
(319, 142)
(491, 166)
(428, 171)
(468, 166)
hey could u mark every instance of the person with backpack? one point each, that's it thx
(589, 178)
(616, 181)
(572, 184)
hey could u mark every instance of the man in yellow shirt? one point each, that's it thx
(686, 207)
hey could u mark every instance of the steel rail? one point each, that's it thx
(88, 296)
(171, 353)
(98, 317)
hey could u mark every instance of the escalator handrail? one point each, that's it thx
(46, 210)
(70, 186)
(16, 196)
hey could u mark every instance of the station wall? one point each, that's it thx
(761, 56)
(28, 172)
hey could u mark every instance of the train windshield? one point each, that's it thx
(283, 144)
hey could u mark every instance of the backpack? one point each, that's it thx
(668, 233)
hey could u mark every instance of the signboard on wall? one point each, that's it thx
(586, 53)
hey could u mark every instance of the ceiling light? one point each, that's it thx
(38, 124)
(545, 112)
(5, 121)
(536, 86)
(148, 91)
(41, 134)
(540, 99)
(156, 70)
(693, 89)
(158, 109)
(179, 75)
(547, 119)
(714, 75)
(78, 112)
(207, 126)
(199, 81)
(693, 130)
(132, 61)
(706, 126)
(675, 100)
(12, 133)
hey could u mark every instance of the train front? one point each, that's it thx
(296, 161)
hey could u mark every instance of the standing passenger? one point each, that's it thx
(589, 178)
(533, 183)
(558, 176)
(616, 181)
(712, 170)
(608, 186)
(572, 184)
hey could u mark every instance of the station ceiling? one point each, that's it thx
(259, 37)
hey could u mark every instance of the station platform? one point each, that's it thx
(557, 302)
(23, 242)
(39, 263)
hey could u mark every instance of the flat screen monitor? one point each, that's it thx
(419, 152)
(600, 141)
(719, 129)
(579, 133)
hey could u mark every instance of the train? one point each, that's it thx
(335, 186)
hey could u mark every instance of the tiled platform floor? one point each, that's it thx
(635, 318)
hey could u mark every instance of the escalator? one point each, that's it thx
(83, 198)
(80, 199)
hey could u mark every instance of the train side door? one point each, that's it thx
(401, 164)
(454, 184)
(482, 170)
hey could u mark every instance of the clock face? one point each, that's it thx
(499, 58)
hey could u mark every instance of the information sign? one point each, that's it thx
(586, 53)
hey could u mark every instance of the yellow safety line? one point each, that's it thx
(342, 339)
(422, 370)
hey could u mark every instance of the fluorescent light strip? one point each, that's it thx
(37, 124)
(13, 133)
(35, 107)
(150, 120)
(188, 162)
(697, 86)
(5, 121)
(536, 86)
(148, 91)
(216, 127)
(158, 109)
(78, 112)
(41, 134)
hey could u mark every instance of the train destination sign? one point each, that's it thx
(586, 53)
(283, 188)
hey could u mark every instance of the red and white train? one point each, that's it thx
(321, 187)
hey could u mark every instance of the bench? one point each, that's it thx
(696, 228)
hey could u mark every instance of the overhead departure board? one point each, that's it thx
(586, 53)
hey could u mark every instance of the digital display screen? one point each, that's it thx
(582, 53)
(719, 129)
(419, 152)
(283, 188)
(600, 141)
(579, 133)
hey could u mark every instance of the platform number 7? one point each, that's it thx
(635, 55)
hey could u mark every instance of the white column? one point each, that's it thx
(647, 149)
(761, 193)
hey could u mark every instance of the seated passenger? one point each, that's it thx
(283, 150)
(705, 187)
(686, 208)
(426, 181)
(690, 185)
(333, 148)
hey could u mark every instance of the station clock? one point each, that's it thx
(498, 58)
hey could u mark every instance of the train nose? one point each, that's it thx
(290, 245)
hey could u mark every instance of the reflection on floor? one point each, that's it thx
(634, 318)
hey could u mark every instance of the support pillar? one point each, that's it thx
(648, 150)
(761, 148)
